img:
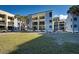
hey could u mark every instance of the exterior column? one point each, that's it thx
(30, 23)
(53, 26)
(6, 18)
(58, 25)
(38, 24)
(72, 24)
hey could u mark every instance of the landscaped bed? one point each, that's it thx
(37, 43)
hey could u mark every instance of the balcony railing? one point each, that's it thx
(35, 23)
(9, 20)
(2, 23)
(34, 18)
(1, 19)
(42, 17)
(41, 23)
(10, 23)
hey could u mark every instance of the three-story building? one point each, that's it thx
(72, 23)
(8, 21)
(41, 21)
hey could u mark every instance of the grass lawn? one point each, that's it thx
(10, 41)
(34, 43)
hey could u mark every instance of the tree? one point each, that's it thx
(17, 16)
(74, 10)
(23, 19)
(56, 19)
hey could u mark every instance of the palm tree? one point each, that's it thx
(23, 19)
(17, 16)
(74, 10)
(56, 19)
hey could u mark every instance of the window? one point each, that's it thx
(61, 24)
(50, 26)
(71, 26)
(71, 19)
(75, 25)
(75, 19)
(50, 14)
(61, 28)
(50, 21)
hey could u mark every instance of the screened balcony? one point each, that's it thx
(10, 19)
(2, 16)
(10, 23)
(35, 23)
(41, 28)
(41, 17)
(34, 18)
(2, 28)
(42, 23)
(2, 23)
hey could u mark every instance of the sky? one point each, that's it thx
(28, 9)
(58, 10)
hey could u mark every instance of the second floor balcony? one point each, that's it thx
(10, 23)
(9, 20)
(2, 23)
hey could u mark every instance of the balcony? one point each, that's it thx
(41, 18)
(34, 18)
(41, 28)
(2, 28)
(10, 23)
(2, 19)
(2, 23)
(2, 16)
(35, 23)
(12, 18)
(42, 23)
(9, 20)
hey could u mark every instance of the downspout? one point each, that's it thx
(72, 24)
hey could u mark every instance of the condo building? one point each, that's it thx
(58, 25)
(7, 21)
(41, 21)
(72, 23)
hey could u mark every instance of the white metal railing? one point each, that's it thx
(2, 23)
(1, 19)
(10, 23)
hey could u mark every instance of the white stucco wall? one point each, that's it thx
(47, 23)
(69, 23)
(17, 27)
(16, 23)
(47, 18)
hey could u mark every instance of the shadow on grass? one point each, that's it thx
(46, 45)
